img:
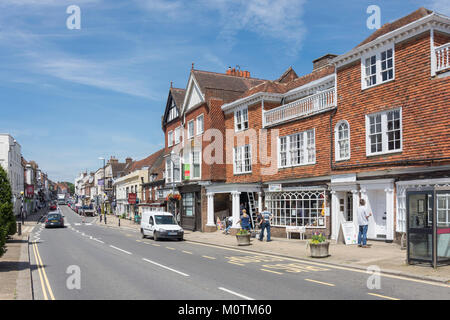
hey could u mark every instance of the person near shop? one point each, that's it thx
(245, 220)
(363, 222)
(229, 223)
(266, 218)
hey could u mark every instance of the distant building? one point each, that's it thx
(11, 161)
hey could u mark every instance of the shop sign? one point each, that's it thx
(275, 187)
(187, 172)
(132, 198)
(349, 233)
(29, 192)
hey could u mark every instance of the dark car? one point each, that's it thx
(54, 219)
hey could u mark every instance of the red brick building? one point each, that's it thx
(194, 128)
(370, 123)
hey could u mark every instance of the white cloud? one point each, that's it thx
(281, 19)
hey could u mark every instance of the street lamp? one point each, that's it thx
(173, 155)
(103, 200)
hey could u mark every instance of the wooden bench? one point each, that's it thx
(295, 229)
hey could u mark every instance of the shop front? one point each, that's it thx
(301, 206)
(346, 192)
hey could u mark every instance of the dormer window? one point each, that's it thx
(377, 67)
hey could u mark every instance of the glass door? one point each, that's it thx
(443, 226)
(420, 225)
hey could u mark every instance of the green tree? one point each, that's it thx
(7, 219)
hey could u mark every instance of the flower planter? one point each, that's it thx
(319, 250)
(243, 239)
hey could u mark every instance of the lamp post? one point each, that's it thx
(173, 155)
(103, 200)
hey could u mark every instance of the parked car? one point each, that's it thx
(160, 225)
(54, 219)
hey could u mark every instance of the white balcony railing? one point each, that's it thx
(310, 105)
(442, 57)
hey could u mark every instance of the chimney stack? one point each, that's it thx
(238, 73)
(128, 160)
(323, 61)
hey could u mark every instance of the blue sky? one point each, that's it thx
(71, 96)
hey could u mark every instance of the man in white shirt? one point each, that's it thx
(363, 223)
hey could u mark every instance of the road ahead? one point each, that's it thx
(118, 264)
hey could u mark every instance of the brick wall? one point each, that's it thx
(424, 103)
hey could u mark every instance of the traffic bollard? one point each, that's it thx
(119, 222)
(19, 228)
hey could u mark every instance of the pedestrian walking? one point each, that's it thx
(363, 223)
(265, 219)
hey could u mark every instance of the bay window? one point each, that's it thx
(173, 170)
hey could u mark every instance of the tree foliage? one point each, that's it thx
(7, 219)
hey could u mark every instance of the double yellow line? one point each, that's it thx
(45, 285)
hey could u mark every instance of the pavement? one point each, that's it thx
(387, 256)
(15, 267)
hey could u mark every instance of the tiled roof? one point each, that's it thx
(147, 162)
(178, 96)
(388, 27)
(221, 81)
(277, 87)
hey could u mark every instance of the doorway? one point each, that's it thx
(377, 205)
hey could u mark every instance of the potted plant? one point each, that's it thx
(319, 246)
(173, 197)
(243, 237)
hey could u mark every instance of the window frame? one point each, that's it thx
(239, 120)
(305, 151)
(384, 133)
(242, 159)
(193, 129)
(202, 122)
(177, 129)
(337, 141)
(378, 63)
(170, 138)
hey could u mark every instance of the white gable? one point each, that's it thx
(193, 96)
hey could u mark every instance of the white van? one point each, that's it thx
(160, 224)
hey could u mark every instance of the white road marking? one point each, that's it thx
(120, 249)
(95, 239)
(160, 265)
(236, 294)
